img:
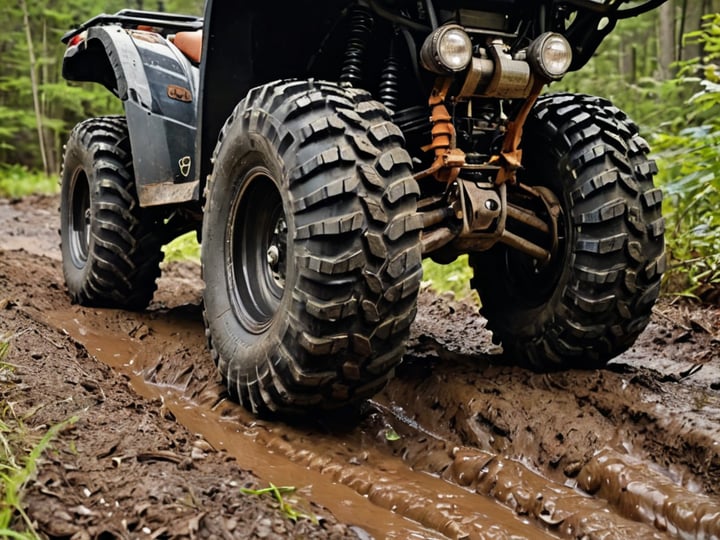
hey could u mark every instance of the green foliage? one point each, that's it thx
(454, 277)
(183, 248)
(690, 165)
(18, 181)
(689, 158)
(286, 507)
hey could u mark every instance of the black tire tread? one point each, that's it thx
(353, 198)
(125, 250)
(612, 277)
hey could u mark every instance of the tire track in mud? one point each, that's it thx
(157, 366)
(574, 453)
(575, 430)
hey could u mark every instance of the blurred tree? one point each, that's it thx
(666, 39)
(37, 107)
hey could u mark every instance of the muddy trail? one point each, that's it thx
(459, 445)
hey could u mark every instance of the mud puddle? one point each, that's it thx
(434, 456)
(347, 473)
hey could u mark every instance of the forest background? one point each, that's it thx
(662, 68)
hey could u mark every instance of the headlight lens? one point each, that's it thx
(447, 50)
(550, 56)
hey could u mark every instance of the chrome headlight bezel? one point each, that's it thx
(550, 56)
(448, 49)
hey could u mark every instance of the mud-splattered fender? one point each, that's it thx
(158, 88)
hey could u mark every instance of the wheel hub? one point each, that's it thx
(80, 220)
(276, 252)
(258, 235)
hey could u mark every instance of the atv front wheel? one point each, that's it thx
(111, 248)
(591, 301)
(310, 252)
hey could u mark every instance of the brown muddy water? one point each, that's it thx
(344, 472)
(481, 451)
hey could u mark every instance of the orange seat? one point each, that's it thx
(190, 44)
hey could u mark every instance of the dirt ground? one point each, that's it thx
(459, 445)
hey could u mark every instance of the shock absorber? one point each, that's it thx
(361, 24)
(389, 89)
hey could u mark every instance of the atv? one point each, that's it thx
(320, 150)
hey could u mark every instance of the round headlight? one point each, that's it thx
(447, 50)
(550, 56)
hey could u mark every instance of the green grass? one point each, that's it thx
(183, 248)
(280, 494)
(17, 181)
(20, 450)
(454, 277)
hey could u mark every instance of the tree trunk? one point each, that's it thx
(681, 30)
(666, 40)
(34, 84)
(47, 105)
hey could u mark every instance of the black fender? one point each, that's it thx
(158, 86)
(247, 44)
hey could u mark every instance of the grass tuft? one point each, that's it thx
(20, 450)
(286, 507)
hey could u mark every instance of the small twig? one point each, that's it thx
(159, 455)
(60, 347)
(669, 318)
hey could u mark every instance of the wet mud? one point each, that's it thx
(459, 445)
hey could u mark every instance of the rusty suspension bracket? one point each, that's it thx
(510, 157)
(448, 158)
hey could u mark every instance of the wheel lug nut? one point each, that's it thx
(273, 255)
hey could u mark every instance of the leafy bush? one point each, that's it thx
(183, 248)
(17, 181)
(689, 160)
(454, 277)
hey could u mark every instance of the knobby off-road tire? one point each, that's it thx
(111, 248)
(310, 253)
(592, 301)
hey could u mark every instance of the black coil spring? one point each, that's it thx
(389, 88)
(361, 24)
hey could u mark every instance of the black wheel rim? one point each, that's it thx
(79, 225)
(257, 256)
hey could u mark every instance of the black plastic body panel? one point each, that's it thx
(159, 89)
(225, 73)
